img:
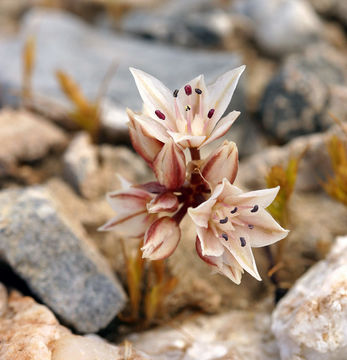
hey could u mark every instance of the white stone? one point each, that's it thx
(310, 323)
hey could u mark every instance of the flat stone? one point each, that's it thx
(27, 137)
(30, 331)
(298, 100)
(51, 252)
(233, 335)
(86, 54)
(310, 322)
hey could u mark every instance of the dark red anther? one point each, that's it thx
(188, 89)
(160, 115)
(210, 113)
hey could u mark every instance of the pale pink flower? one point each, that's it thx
(191, 116)
(231, 222)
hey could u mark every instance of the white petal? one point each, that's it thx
(194, 99)
(210, 244)
(161, 239)
(221, 92)
(131, 226)
(222, 127)
(202, 213)
(262, 198)
(152, 128)
(187, 140)
(154, 93)
(126, 202)
(230, 267)
(243, 254)
(265, 231)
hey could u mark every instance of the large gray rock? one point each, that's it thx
(310, 322)
(51, 253)
(65, 42)
(281, 26)
(298, 99)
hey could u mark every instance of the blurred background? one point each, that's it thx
(64, 87)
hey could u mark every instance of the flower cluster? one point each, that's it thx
(168, 134)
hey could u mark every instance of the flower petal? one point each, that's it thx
(170, 166)
(155, 94)
(265, 230)
(243, 254)
(221, 92)
(161, 239)
(187, 140)
(166, 202)
(145, 146)
(151, 128)
(222, 127)
(210, 244)
(133, 225)
(262, 198)
(230, 267)
(126, 202)
(202, 213)
(221, 163)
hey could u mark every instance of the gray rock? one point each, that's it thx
(310, 322)
(80, 162)
(51, 253)
(65, 42)
(281, 26)
(297, 101)
(201, 25)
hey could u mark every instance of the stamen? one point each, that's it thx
(188, 90)
(160, 115)
(243, 241)
(233, 211)
(223, 221)
(188, 107)
(198, 91)
(255, 208)
(175, 93)
(250, 226)
(210, 113)
(225, 237)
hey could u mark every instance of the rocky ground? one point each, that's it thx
(62, 283)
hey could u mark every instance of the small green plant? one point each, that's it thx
(336, 186)
(147, 300)
(28, 61)
(86, 113)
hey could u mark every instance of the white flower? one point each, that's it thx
(230, 223)
(191, 116)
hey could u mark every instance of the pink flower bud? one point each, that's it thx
(221, 163)
(146, 146)
(166, 202)
(170, 166)
(161, 239)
